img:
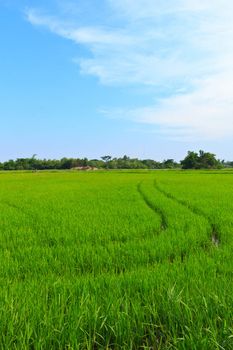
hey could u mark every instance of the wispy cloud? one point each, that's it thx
(184, 47)
(81, 35)
(206, 112)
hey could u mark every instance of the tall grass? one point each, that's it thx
(116, 260)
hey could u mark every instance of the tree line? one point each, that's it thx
(193, 160)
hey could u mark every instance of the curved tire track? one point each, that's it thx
(171, 257)
(153, 207)
(214, 232)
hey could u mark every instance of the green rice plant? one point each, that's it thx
(116, 260)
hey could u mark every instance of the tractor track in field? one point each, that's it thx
(153, 207)
(214, 232)
(164, 224)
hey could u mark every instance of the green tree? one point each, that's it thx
(208, 160)
(106, 160)
(203, 160)
(191, 161)
(169, 164)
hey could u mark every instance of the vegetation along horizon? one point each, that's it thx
(116, 260)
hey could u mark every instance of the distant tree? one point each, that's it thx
(151, 164)
(66, 163)
(106, 160)
(33, 163)
(208, 160)
(10, 165)
(190, 161)
(203, 160)
(193, 160)
(96, 163)
(169, 164)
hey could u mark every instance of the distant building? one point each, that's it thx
(85, 168)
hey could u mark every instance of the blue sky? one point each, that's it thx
(146, 78)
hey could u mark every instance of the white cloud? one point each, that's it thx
(81, 35)
(184, 46)
(207, 112)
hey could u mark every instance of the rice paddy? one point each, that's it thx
(116, 260)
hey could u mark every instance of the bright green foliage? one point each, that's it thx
(203, 160)
(116, 260)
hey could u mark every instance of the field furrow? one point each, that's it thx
(214, 234)
(153, 207)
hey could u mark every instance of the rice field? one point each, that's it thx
(116, 260)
